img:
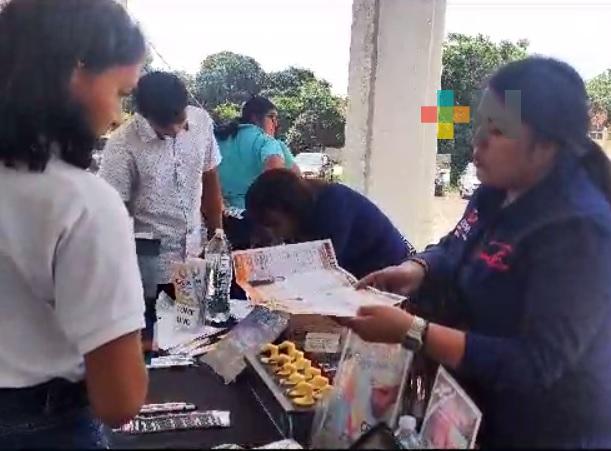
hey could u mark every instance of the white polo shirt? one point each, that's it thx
(160, 179)
(69, 278)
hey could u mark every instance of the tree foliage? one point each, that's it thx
(321, 119)
(228, 77)
(310, 116)
(599, 91)
(225, 112)
(467, 62)
(287, 82)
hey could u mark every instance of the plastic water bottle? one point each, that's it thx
(218, 279)
(407, 434)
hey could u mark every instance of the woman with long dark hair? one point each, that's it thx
(71, 299)
(294, 209)
(528, 328)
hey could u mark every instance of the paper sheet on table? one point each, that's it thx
(303, 279)
(169, 336)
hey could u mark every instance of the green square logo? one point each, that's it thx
(445, 114)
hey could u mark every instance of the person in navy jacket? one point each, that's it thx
(294, 209)
(530, 333)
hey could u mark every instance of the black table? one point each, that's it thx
(250, 425)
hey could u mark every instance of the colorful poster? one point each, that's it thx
(452, 419)
(368, 390)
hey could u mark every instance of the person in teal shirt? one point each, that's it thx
(248, 148)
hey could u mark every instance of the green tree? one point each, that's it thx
(225, 112)
(321, 120)
(228, 77)
(287, 82)
(467, 62)
(599, 91)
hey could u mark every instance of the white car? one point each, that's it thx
(468, 182)
(313, 164)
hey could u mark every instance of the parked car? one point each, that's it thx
(442, 181)
(314, 164)
(468, 182)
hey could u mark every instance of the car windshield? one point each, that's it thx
(309, 158)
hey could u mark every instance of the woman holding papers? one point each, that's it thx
(294, 209)
(529, 263)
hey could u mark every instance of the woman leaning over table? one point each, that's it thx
(71, 302)
(529, 262)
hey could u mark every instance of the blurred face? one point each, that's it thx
(504, 151)
(101, 93)
(173, 129)
(270, 123)
(280, 226)
(382, 398)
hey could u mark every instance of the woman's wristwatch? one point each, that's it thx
(416, 334)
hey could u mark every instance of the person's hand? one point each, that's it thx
(404, 279)
(381, 324)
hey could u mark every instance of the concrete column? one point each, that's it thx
(395, 68)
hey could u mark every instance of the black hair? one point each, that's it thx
(162, 98)
(283, 191)
(41, 44)
(253, 112)
(554, 104)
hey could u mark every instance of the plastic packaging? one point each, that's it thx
(407, 434)
(218, 279)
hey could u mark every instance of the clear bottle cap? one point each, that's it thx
(407, 423)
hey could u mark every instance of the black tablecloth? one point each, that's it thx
(250, 425)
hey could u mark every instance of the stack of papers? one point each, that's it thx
(303, 279)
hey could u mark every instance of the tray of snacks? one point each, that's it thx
(289, 386)
(297, 382)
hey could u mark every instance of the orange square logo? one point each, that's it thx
(462, 115)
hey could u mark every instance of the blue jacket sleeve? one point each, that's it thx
(444, 257)
(568, 299)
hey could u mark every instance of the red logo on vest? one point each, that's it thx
(496, 257)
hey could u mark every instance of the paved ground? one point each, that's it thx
(447, 210)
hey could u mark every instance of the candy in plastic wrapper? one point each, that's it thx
(176, 422)
(166, 408)
(282, 444)
(170, 361)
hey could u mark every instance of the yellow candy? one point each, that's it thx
(311, 372)
(270, 349)
(302, 389)
(319, 394)
(302, 364)
(294, 379)
(287, 347)
(296, 355)
(319, 382)
(286, 370)
(280, 360)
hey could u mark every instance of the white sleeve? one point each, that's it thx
(212, 154)
(118, 167)
(98, 290)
